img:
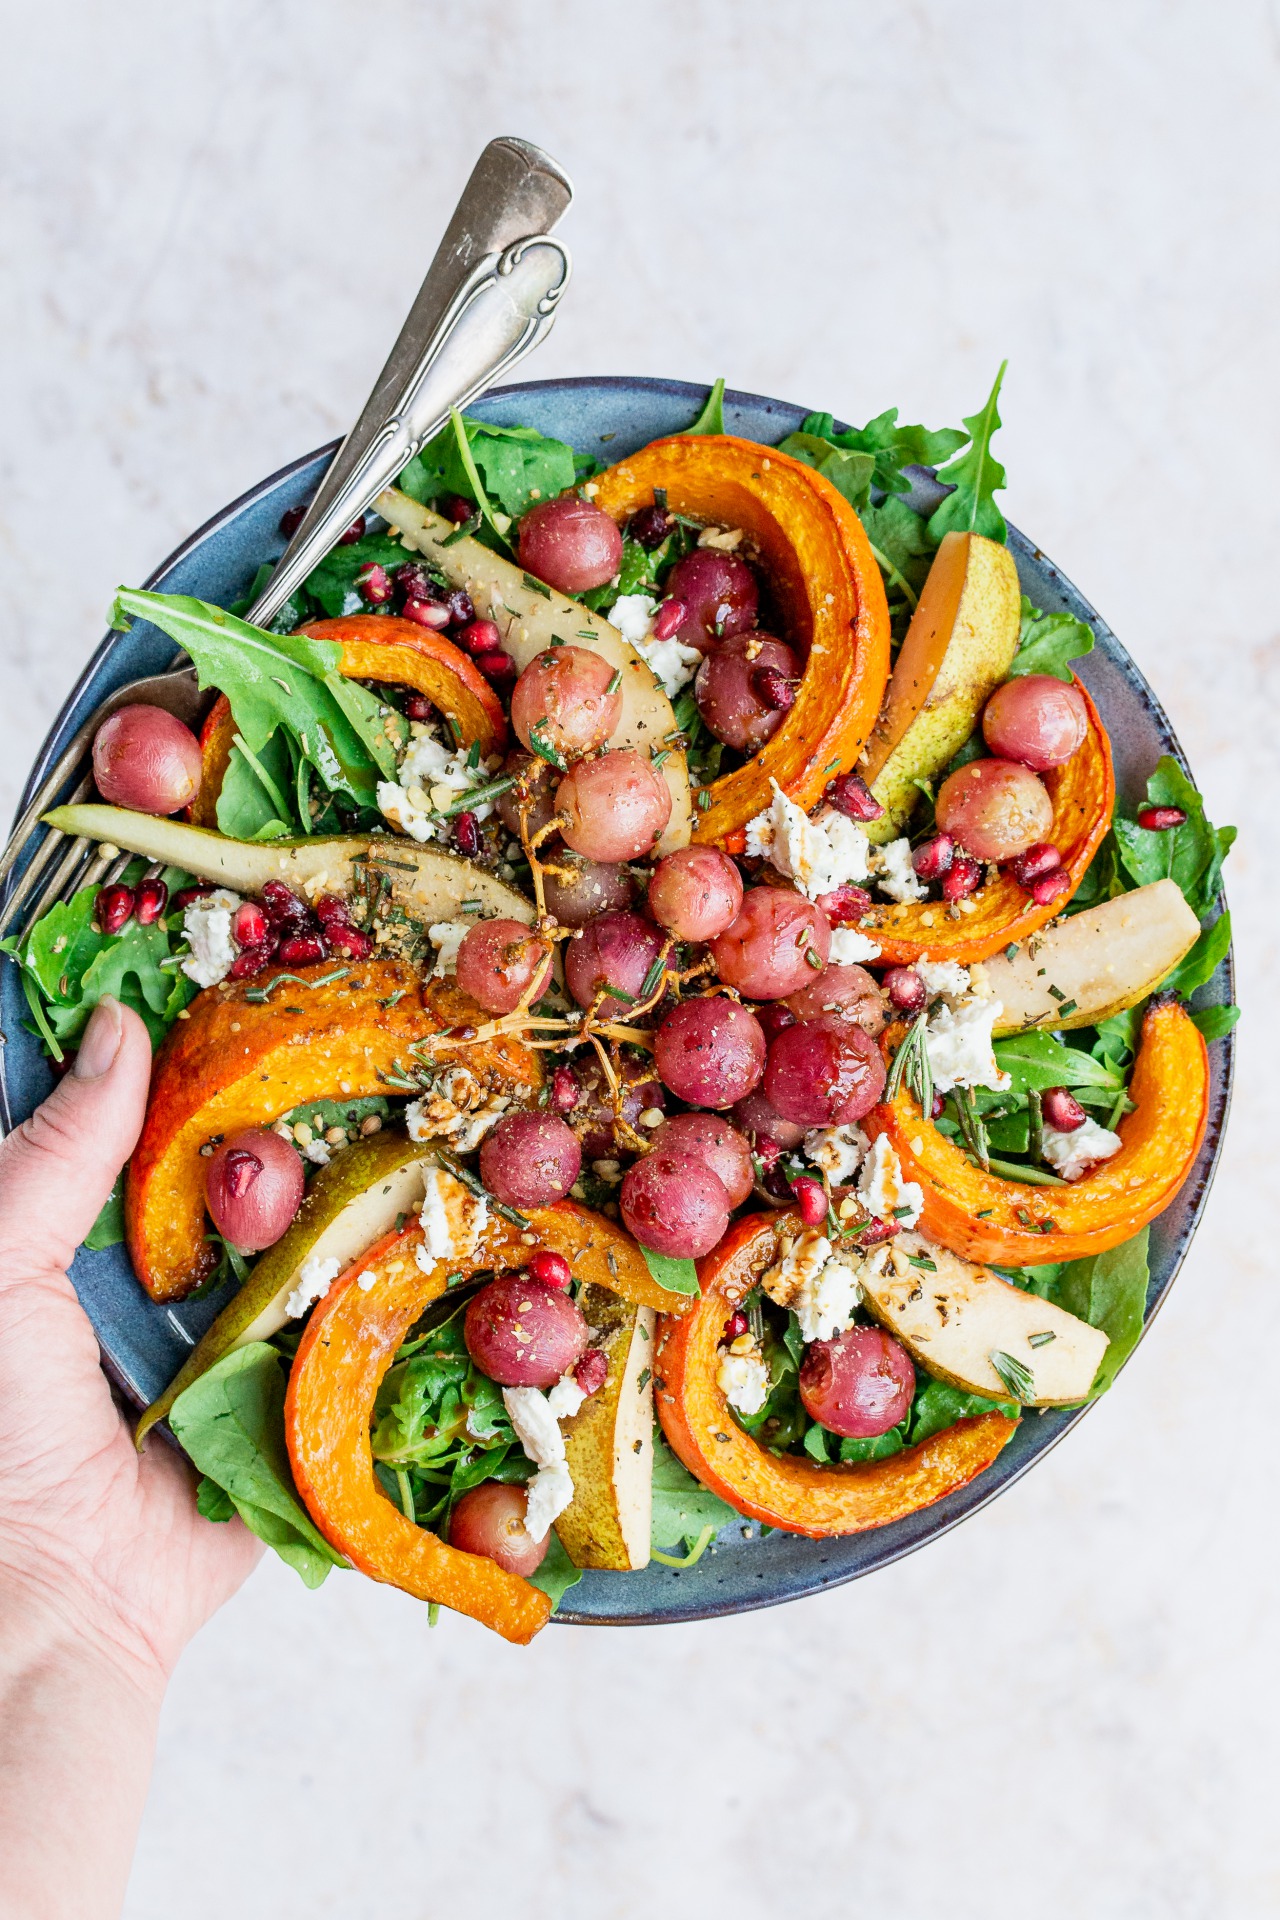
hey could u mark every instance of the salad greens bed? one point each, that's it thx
(311, 746)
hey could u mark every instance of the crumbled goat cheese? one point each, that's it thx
(838, 1151)
(565, 1398)
(742, 1376)
(672, 663)
(395, 805)
(538, 1431)
(722, 539)
(317, 1152)
(431, 776)
(366, 1280)
(632, 614)
(883, 1189)
(207, 926)
(1073, 1154)
(849, 948)
(315, 1277)
(819, 855)
(943, 977)
(446, 936)
(453, 1220)
(958, 1043)
(894, 873)
(457, 1110)
(819, 1286)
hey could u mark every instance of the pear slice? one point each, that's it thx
(435, 885)
(350, 1204)
(1094, 964)
(959, 647)
(609, 1443)
(532, 618)
(954, 1316)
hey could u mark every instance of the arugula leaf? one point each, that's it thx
(1117, 1039)
(333, 583)
(682, 1506)
(1104, 878)
(1216, 1022)
(1192, 854)
(274, 680)
(519, 465)
(711, 418)
(557, 1573)
(938, 1405)
(678, 1276)
(891, 446)
(1049, 642)
(1109, 1290)
(230, 1422)
(850, 473)
(900, 536)
(108, 1229)
(1202, 962)
(975, 476)
(1036, 1059)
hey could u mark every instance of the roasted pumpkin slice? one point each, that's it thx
(374, 647)
(1083, 794)
(252, 1050)
(827, 587)
(784, 1490)
(1006, 1223)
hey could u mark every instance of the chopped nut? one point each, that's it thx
(372, 1123)
(336, 1137)
(652, 1117)
(303, 1134)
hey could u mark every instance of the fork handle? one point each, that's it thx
(489, 298)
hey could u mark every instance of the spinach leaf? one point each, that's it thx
(253, 801)
(557, 1573)
(1104, 878)
(230, 1422)
(1216, 1022)
(975, 476)
(682, 1507)
(519, 465)
(1204, 958)
(879, 1447)
(1036, 1059)
(332, 585)
(938, 1405)
(108, 1229)
(1049, 642)
(1109, 1290)
(1192, 854)
(711, 418)
(213, 1501)
(678, 1276)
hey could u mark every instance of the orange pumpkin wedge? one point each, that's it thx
(350, 1341)
(374, 647)
(1004, 1223)
(1000, 912)
(786, 1490)
(322, 1033)
(827, 586)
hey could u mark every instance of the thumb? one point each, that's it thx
(58, 1167)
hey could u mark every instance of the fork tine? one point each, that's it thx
(67, 870)
(40, 861)
(68, 760)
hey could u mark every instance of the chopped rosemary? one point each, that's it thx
(537, 586)
(1017, 1378)
(1068, 1006)
(1011, 951)
(643, 1378)
(660, 499)
(704, 799)
(586, 633)
(971, 1126)
(911, 1062)
(653, 976)
(919, 1260)
(1057, 992)
(259, 995)
(1040, 1339)
(543, 748)
(1029, 1176)
(473, 754)
(475, 1185)
(813, 959)
(616, 681)
(468, 527)
(658, 758)
(393, 999)
(473, 797)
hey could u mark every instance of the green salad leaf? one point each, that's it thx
(519, 466)
(1109, 1290)
(557, 1573)
(1200, 965)
(975, 477)
(939, 1405)
(711, 418)
(1036, 1059)
(1191, 854)
(108, 1229)
(677, 1276)
(332, 585)
(230, 1422)
(887, 444)
(682, 1507)
(1216, 1022)
(1049, 642)
(849, 473)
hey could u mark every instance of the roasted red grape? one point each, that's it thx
(498, 962)
(849, 991)
(1035, 719)
(530, 1160)
(674, 1204)
(758, 1116)
(616, 807)
(738, 702)
(695, 893)
(570, 544)
(860, 1384)
(490, 1520)
(994, 808)
(144, 758)
(253, 1187)
(719, 594)
(710, 1052)
(583, 887)
(710, 1138)
(824, 1073)
(523, 1334)
(566, 701)
(613, 950)
(537, 787)
(777, 944)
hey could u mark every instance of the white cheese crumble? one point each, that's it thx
(742, 1376)
(395, 805)
(318, 1152)
(894, 873)
(207, 927)
(565, 1397)
(817, 1284)
(943, 977)
(1073, 1154)
(884, 1191)
(453, 1220)
(537, 1429)
(366, 1280)
(849, 948)
(431, 776)
(670, 661)
(819, 855)
(315, 1277)
(446, 936)
(457, 1110)
(633, 614)
(838, 1151)
(958, 1043)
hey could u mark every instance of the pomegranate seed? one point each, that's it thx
(243, 1168)
(249, 924)
(905, 989)
(457, 509)
(774, 1019)
(776, 1182)
(291, 519)
(773, 689)
(811, 1198)
(961, 877)
(481, 636)
(331, 911)
(650, 526)
(845, 906)
(592, 1370)
(252, 960)
(353, 533)
(285, 911)
(1160, 819)
(497, 666)
(1051, 886)
(461, 611)
(877, 1230)
(426, 613)
(302, 950)
(552, 1269)
(150, 901)
(932, 860)
(1036, 861)
(466, 834)
(417, 707)
(564, 1090)
(1062, 1110)
(938, 1107)
(351, 943)
(374, 583)
(768, 1153)
(669, 619)
(114, 906)
(734, 1327)
(186, 896)
(849, 794)
(414, 581)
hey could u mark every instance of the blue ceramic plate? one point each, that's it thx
(144, 1344)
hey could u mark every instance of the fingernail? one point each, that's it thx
(101, 1041)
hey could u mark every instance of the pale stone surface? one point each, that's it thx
(217, 216)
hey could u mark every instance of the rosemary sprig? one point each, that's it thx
(259, 995)
(1029, 1176)
(975, 1133)
(911, 1063)
(473, 797)
(544, 749)
(1017, 1378)
(464, 532)
(476, 1186)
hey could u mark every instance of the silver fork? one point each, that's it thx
(490, 296)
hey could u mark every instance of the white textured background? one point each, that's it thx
(214, 218)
